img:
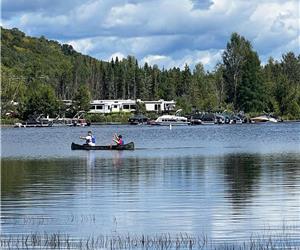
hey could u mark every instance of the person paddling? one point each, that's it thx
(118, 139)
(89, 139)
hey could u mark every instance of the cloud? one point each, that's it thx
(161, 31)
(118, 55)
(202, 4)
(208, 58)
(85, 46)
(14, 8)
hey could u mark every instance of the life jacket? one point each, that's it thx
(121, 142)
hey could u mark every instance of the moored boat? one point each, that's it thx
(171, 120)
(78, 120)
(196, 119)
(128, 146)
(35, 122)
(167, 120)
(138, 119)
(263, 118)
(209, 119)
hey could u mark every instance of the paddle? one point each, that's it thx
(114, 136)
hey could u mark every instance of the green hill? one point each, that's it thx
(28, 59)
(37, 73)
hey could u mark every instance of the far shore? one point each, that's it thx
(119, 123)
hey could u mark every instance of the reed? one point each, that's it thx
(70, 219)
(142, 241)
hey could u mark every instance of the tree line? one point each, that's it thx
(38, 73)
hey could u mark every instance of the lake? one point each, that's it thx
(223, 184)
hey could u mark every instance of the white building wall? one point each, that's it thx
(150, 106)
(110, 106)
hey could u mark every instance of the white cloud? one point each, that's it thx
(82, 45)
(178, 31)
(115, 55)
(121, 15)
(208, 58)
(156, 59)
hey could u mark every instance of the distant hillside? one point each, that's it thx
(47, 60)
(57, 71)
(65, 69)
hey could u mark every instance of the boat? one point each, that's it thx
(78, 120)
(128, 146)
(196, 119)
(236, 120)
(209, 119)
(220, 119)
(35, 122)
(167, 120)
(138, 119)
(263, 118)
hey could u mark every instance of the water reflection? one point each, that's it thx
(214, 195)
(242, 173)
(117, 158)
(90, 159)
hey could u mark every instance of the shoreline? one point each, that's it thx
(119, 123)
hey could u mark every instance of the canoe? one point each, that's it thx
(128, 146)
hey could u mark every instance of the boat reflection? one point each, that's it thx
(91, 159)
(117, 158)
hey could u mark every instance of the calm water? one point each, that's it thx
(227, 182)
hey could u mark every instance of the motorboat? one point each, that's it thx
(220, 119)
(78, 120)
(236, 120)
(209, 119)
(263, 118)
(169, 120)
(138, 119)
(196, 119)
(35, 122)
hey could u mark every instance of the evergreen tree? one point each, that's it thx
(220, 85)
(30, 66)
(251, 93)
(82, 99)
(234, 58)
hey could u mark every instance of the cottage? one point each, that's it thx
(159, 106)
(111, 106)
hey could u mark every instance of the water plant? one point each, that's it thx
(283, 240)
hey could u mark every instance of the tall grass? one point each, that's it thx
(283, 240)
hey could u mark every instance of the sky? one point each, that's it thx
(168, 33)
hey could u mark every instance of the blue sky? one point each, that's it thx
(164, 32)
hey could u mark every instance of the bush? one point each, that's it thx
(9, 121)
(107, 118)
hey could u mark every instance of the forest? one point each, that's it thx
(38, 74)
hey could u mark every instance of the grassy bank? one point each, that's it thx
(8, 121)
(122, 118)
(115, 117)
(283, 240)
(108, 118)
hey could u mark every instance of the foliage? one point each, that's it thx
(82, 99)
(242, 75)
(37, 68)
(140, 108)
(107, 118)
(41, 99)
